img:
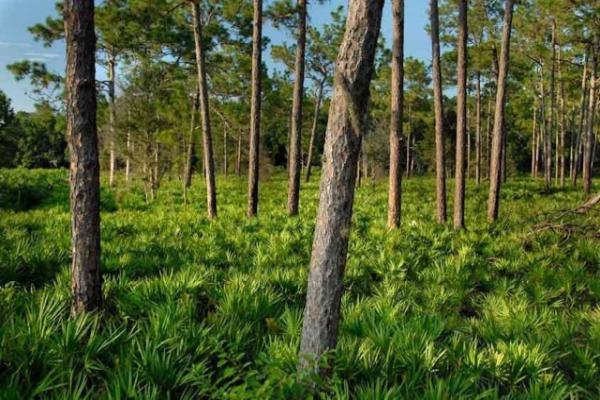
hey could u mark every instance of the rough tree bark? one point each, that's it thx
(461, 118)
(354, 69)
(589, 135)
(440, 163)
(396, 117)
(209, 161)
(313, 130)
(295, 155)
(86, 283)
(495, 172)
(254, 151)
(562, 120)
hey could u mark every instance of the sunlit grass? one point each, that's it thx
(213, 309)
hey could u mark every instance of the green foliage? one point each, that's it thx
(213, 309)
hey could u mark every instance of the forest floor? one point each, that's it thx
(201, 309)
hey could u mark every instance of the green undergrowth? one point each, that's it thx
(213, 309)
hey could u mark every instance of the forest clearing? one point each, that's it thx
(294, 199)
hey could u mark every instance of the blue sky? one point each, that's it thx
(17, 44)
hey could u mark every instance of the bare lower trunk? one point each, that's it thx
(589, 136)
(209, 162)
(253, 158)
(397, 107)
(128, 158)
(313, 130)
(440, 162)
(562, 120)
(461, 118)
(534, 141)
(111, 118)
(478, 131)
(348, 108)
(489, 136)
(295, 156)
(225, 171)
(189, 158)
(495, 173)
(86, 281)
(582, 119)
(238, 159)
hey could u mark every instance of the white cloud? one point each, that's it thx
(14, 44)
(41, 55)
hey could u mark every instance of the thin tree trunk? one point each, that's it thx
(582, 119)
(238, 160)
(295, 156)
(440, 161)
(478, 131)
(189, 163)
(534, 141)
(209, 162)
(461, 118)
(413, 155)
(254, 153)
(111, 118)
(495, 175)
(225, 171)
(397, 108)
(354, 69)
(561, 102)
(313, 130)
(86, 281)
(588, 151)
(489, 136)
(553, 122)
(547, 135)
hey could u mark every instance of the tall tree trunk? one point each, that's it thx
(547, 126)
(209, 162)
(478, 131)
(225, 170)
(589, 137)
(488, 125)
(86, 281)
(354, 69)
(397, 110)
(495, 173)
(413, 156)
(238, 160)
(189, 157)
(111, 118)
(129, 151)
(534, 141)
(440, 162)
(561, 103)
(553, 111)
(461, 117)
(295, 156)
(582, 119)
(313, 130)
(254, 152)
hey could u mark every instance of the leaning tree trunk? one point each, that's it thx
(440, 163)
(397, 111)
(478, 131)
(86, 281)
(496, 173)
(582, 119)
(295, 156)
(589, 136)
(253, 157)
(209, 162)
(313, 130)
(461, 118)
(354, 69)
